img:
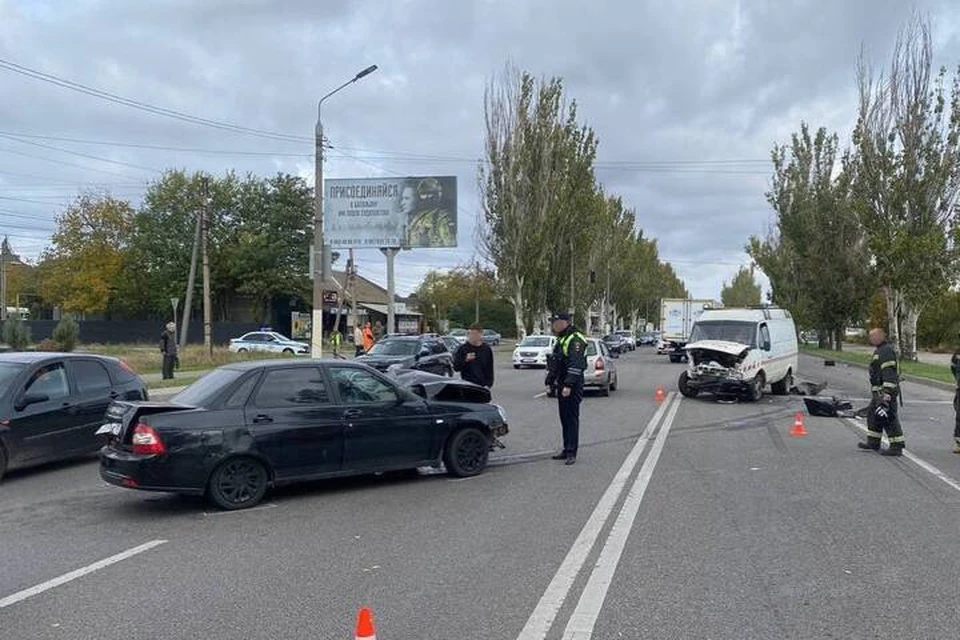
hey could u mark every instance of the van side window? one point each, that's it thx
(764, 337)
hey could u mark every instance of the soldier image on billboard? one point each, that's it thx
(428, 223)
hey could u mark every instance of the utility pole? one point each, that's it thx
(319, 264)
(4, 249)
(191, 283)
(391, 254)
(351, 280)
(476, 292)
(207, 311)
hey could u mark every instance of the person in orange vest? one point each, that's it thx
(367, 337)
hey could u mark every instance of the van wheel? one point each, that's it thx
(756, 389)
(685, 389)
(783, 387)
(675, 359)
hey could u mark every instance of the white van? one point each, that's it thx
(741, 351)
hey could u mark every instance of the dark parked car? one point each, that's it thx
(51, 404)
(648, 339)
(245, 427)
(615, 343)
(423, 353)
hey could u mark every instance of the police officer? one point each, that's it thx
(565, 376)
(955, 369)
(882, 415)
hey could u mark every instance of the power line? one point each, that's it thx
(144, 106)
(77, 153)
(65, 163)
(28, 200)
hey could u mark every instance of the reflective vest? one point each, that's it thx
(567, 339)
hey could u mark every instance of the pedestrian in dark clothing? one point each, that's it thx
(883, 415)
(474, 358)
(955, 368)
(565, 378)
(168, 349)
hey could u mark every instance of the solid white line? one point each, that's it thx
(584, 618)
(79, 573)
(917, 460)
(540, 395)
(540, 621)
(269, 505)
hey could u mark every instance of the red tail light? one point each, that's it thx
(146, 441)
(598, 365)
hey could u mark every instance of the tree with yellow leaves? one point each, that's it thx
(79, 271)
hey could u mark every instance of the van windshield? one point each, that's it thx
(727, 330)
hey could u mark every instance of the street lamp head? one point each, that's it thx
(365, 72)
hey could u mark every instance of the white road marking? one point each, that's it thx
(917, 460)
(79, 573)
(584, 618)
(269, 505)
(540, 395)
(540, 621)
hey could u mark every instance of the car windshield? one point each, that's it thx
(591, 348)
(535, 341)
(458, 332)
(726, 330)
(394, 348)
(8, 372)
(201, 392)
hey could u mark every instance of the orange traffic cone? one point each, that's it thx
(798, 430)
(659, 395)
(365, 625)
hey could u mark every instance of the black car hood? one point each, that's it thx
(441, 388)
(384, 361)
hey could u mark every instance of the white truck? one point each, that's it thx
(677, 316)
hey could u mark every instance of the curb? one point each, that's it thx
(929, 382)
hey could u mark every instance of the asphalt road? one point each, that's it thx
(682, 519)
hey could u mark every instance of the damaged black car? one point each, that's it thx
(247, 427)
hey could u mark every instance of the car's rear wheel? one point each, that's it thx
(605, 389)
(241, 350)
(614, 383)
(782, 388)
(466, 453)
(288, 352)
(238, 483)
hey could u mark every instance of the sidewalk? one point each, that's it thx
(926, 357)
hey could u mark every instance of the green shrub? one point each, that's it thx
(16, 334)
(66, 333)
(48, 346)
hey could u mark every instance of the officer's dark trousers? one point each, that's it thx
(956, 409)
(894, 430)
(168, 364)
(570, 419)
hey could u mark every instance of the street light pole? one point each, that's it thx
(319, 267)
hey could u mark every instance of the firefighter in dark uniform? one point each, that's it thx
(565, 378)
(882, 415)
(955, 369)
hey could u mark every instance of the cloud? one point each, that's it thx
(687, 99)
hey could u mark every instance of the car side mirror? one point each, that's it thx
(766, 346)
(28, 399)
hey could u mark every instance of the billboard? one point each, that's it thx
(414, 212)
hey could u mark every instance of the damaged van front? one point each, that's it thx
(720, 367)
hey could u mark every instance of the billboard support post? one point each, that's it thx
(391, 254)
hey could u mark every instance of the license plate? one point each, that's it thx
(528, 360)
(110, 429)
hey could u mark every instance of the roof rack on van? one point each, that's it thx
(779, 312)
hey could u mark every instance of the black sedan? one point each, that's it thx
(245, 427)
(51, 404)
(422, 353)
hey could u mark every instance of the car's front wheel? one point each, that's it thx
(238, 483)
(685, 389)
(288, 352)
(467, 452)
(241, 350)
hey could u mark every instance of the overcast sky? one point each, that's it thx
(686, 99)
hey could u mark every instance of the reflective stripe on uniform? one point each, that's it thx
(888, 363)
(874, 434)
(876, 388)
(896, 439)
(889, 385)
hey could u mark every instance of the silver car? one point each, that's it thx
(601, 372)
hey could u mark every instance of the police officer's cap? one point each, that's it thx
(560, 316)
